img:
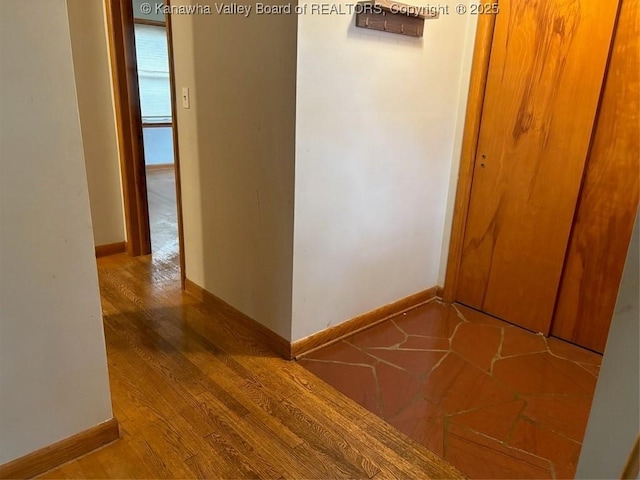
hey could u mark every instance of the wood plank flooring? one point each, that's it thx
(163, 213)
(197, 397)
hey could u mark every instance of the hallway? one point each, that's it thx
(494, 400)
(197, 397)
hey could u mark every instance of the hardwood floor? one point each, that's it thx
(198, 397)
(163, 216)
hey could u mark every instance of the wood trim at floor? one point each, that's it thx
(261, 333)
(61, 452)
(338, 332)
(110, 249)
(288, 350)
(160, 166)
(632, 467)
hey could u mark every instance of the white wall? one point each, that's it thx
(236, 147)
(378, 123)
(377, 132)
(53, 372)
(614, 421)
(97, 117)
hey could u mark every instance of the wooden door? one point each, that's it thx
(608, 200)
(545, 75)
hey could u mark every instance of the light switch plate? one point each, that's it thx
(186, 100)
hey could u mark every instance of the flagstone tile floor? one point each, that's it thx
(493, 399)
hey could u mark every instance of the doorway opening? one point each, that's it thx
(145, 101)
(152, 61)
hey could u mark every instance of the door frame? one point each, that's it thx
(126, 97)
(120, 25)
(475, 103)
(176, 150)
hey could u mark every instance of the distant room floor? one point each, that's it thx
(163, 216)
(494, 400)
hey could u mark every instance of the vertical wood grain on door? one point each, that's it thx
(545, 75)
(608, 200)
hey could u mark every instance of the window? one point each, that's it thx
(153, 73)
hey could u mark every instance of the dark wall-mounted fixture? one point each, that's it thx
(393, 17)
